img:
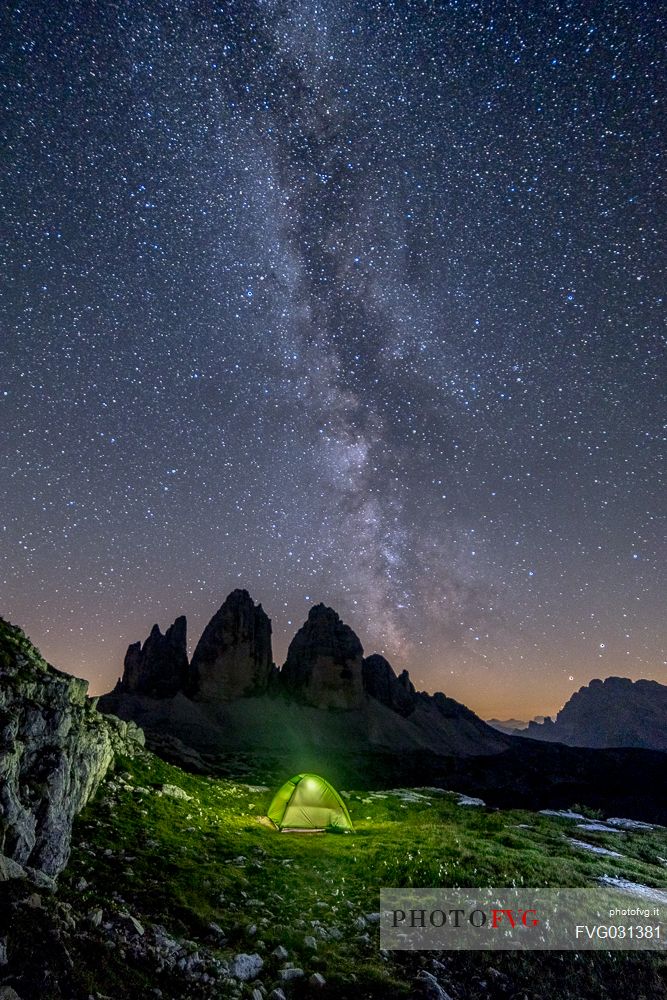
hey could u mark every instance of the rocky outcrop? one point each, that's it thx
(55, 748)
(449, 708)
(616, 712)
(159, 668)
(324, 663)
(325, 695)
(233, 658)
(380, 682)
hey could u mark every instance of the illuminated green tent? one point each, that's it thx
(306, 803)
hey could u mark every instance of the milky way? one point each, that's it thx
(348, 302)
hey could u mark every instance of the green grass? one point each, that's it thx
(179, 863)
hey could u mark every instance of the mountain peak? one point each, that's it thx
(159, 667)
(381, 683)
(324, 662)
(233, 657)
(613, 712)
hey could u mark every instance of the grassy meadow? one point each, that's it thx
(207, 872)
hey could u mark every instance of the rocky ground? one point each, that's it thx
(175, 889)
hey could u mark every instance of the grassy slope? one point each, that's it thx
(185, 864)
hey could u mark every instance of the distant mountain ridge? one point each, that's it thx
(615, 712)
(232, 696)
(507, 725)
(512, 726)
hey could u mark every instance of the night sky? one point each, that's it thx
(349, 302)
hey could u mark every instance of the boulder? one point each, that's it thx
(324, 663)
(429, 988)
(287, 975)
(159, 668)
(233, 658)
(246, 967)
(10, 869)
(175, 792)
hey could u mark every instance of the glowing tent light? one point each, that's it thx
(308, 803)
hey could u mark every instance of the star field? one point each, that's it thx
(353, 302)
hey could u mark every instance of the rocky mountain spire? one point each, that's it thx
(323, 666)
(233, 658)
(381, 683)
(158, 668)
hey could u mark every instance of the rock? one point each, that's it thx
(563, 813)
(381, 683)
(128, 733)
(595, 827)
(429, 987)
(175, 792)
(40, 879)
(630, 824)
(233, 658)
(469, 800)
(310, 942)
(95, 917)
(324, 663)
(277, 994)
(136, 924)
(645, 892)
(55, 750)
(317, 980)
(159, 668)
(9, 869)
(7, 993)
(3, 951)
(280, 953)
(246, 967)
(583, 845)
(287, 975)
(217, 933)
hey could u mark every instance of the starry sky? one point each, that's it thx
(355, 302)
